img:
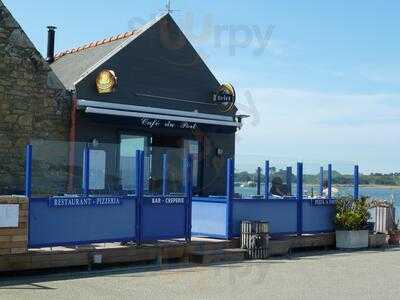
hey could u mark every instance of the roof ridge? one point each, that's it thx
(94, 44)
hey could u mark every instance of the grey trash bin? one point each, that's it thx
(255, 239)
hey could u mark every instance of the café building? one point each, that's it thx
(148, 90)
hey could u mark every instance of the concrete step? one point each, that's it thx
(217, 256)
(198, 245)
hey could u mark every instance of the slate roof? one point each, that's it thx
(72, 65)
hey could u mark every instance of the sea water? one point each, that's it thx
(383, 193)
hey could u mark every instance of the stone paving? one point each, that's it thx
(334, 275)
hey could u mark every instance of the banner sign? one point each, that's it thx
(162, 200)
(156, 123)
(225, 97)
(84, 201)
(322, 201)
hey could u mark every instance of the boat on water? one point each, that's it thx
(248, 184)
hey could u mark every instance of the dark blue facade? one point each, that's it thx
(160, 69)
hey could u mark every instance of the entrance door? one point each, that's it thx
(177, 149)
(172, 147)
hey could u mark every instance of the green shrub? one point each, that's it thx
(350, 214)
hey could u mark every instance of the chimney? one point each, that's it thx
(50, 43)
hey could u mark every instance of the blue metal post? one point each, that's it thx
(138, 194)
(356, 182)
(229, 196)
(165, 175)
(184, 174)
(189, 191)
(28, 171)
(299, 198)
(330, 182)
(289, 180)
(86, 171)
(266, 180)
(321, 181)
(258, 181)
(140, 198)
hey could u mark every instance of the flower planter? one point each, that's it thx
(394, 238)
(352, 239)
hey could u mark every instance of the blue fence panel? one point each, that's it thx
(317, 218)
(164, 217)
(280, 213)
(209, 217)
(61, 221)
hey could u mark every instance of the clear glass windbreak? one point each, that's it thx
(165, 171)
(380, 187)
(316, 179)
(53, 171)
(58, 168)
(249, 170)
(314, 186)
(376, 186)
(250, 176)
(282, 178)
(342, 179)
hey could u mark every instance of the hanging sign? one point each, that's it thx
(225, 97)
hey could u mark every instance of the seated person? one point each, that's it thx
(277, 187)
(325, 191)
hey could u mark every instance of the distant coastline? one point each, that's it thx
(375, 186)
(381, 186)
(373, 180)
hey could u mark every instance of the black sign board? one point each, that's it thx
(223, 97)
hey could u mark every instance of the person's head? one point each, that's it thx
(325, 184)
(277, 181)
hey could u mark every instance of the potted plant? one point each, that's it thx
(351, 219)
(394, 234)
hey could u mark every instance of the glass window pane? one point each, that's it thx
(192, 147)
(97, 170)
(128, 147)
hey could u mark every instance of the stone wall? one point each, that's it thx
(15, 240)
(33, 102)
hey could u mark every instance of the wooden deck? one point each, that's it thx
(107, 254)
(114, 253)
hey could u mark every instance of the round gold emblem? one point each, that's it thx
(106, 81)
(225, 97)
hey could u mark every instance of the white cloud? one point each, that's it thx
(311, 125)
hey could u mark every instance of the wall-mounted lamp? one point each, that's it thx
(106, 81)
(241, 117)
(220, 152)
(95, 143)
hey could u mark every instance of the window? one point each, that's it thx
(97, 170)
(127, 160)
(192, 148)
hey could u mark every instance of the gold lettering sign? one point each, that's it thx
(106, 81)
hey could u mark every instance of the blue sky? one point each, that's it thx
(325, 88)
